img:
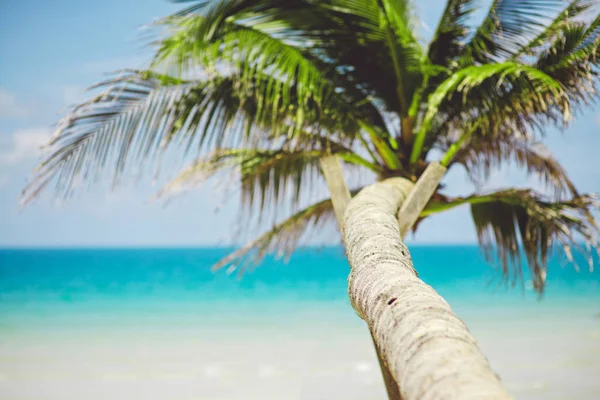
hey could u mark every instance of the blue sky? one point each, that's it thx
(51, 51)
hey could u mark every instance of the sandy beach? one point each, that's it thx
(556, 356)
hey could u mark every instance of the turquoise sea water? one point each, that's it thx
(74, 277)
(113, 323)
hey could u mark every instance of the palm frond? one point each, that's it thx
(355, 38)
(498, 113)
(573, 10)
(280, 74)
(266, 177)
(282, 18)
(567, 52)
(572, 44)
(482, 154)
(521, 217)
(405, 52)
(573, 59)
(514, 223)
(508, 26)
(141, 113)
(298, 40)
(452, 30)
(198, 6)
(339, 43)
(134, 115)
(480, 87)
(283, 238)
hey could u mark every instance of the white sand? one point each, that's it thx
(552, 357)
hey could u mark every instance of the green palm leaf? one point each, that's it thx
(133, 116)
(283, 238)
(509, 25)
(452, 30)
(279, 74)
(561, 22)
(405, 51)
(573, 59)
(503, 77)
(347, 36)
(266, 177)
(515, 223)
(141, 113)
(481, 155)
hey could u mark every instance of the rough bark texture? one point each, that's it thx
(340, 197)
(419, 196)
(391, 386)
(427, 348)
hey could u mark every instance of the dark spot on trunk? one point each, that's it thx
(392, 301)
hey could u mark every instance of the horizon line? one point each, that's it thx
(194, 246)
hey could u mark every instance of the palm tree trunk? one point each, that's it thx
(340, 197)
(428, 350)
(391, 386)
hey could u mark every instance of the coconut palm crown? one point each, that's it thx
(265, 88)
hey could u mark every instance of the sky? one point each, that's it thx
(51, 51)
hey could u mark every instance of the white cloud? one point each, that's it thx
(22, 145)
(9, 107)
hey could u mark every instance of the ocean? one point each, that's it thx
(158, 324)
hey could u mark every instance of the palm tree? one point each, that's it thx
(267, 88)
